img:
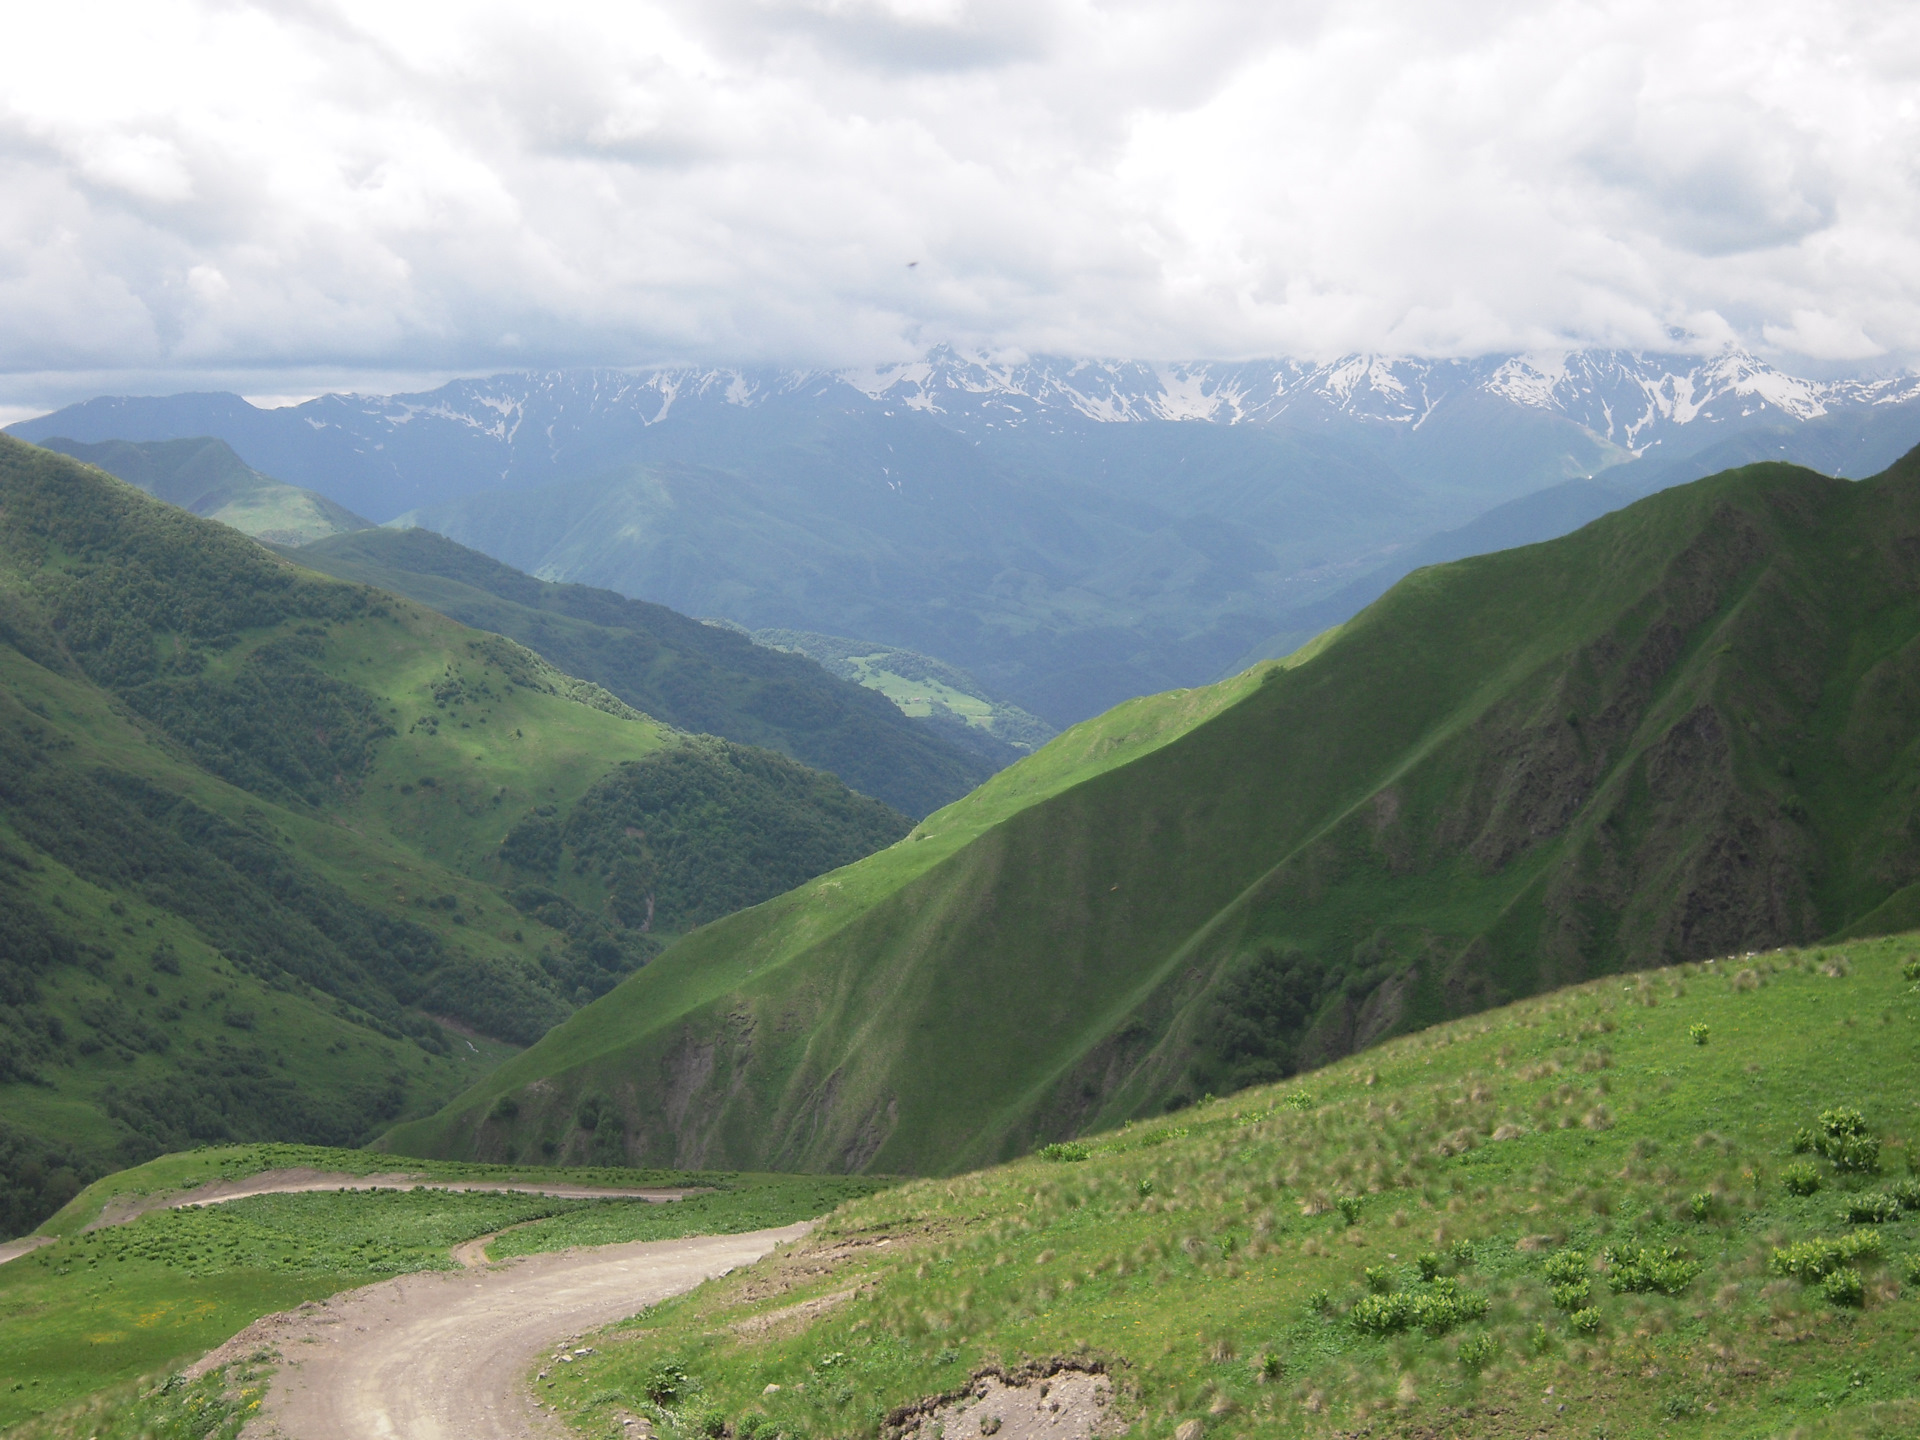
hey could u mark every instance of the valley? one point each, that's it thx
(1545, 928)
(1674, 733)
(1070, 532)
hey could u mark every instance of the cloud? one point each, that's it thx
(280, 189)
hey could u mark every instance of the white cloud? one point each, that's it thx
(342, 185)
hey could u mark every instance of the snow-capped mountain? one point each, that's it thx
(1626, 399)
(384, 454)
(1071, 531)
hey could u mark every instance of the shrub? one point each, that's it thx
(1319, 1302)
(1843, 1139)
(1872, 1207)
(1697, 1032)
(1065, 1152)
(1477, 1351)
(1910, 970)
(1565, 1266)
(1349, 1208)
(667, 1383)
(1639, 1269)
(1379, 1279)
(1810, 1260)
(1910, 1271)
(1296, 1100)
(1587, 1321)
(1436, 1309)
(1540, 1340)
(1800, 1178)
(1701, 1206)
(505, 1108)
(1843, 1287)
(1907, 1192)
(1462, 1252)
(1428, 1265)
(1573, 1295)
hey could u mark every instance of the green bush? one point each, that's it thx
(1349, 1208)
(667, 1384)
(1437, 1308)
(1697, 1032)
(1907, 1192)
(1910, 1271)
(1477, 1351)
(1587, 1321)
(1565, 1266)
(1873, 1207)
(1843, 1287)
(1660, 1269)
(1910, 970)
(1800, 1178)
(1066, 1152)
(1700, 1206)
(1810, 1260)
(1844, 1141)
(1379, 1279)
(1428, 1265)
(1319, 1302)
(1573, 1295)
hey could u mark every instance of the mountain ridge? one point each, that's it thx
(1675, 733)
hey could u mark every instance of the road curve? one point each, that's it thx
(445, 1356)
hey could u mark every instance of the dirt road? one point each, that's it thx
(445, 1356)
(123, 1208)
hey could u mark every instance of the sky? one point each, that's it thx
(289, 197)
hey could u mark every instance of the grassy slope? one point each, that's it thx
(699, 677)
(459, 734)
(720, 957)
(1683, 729)
(1189, 1256)
(206, 477)
(103, 1306)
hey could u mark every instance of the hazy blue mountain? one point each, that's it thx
(1070, 532)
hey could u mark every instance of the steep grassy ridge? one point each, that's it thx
(206, 477)
(703, 678)
(1603, 1212)
(1682, 730)
(250, 831)
(708, 966)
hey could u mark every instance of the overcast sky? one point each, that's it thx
(284, 197)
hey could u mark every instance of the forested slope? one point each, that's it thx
(252, 881)
(700, 677)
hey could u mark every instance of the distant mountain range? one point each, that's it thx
(1070, 532)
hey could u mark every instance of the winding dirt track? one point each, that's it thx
(446, 1355)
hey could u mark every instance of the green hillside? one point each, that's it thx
(1684, 730)
(206, 477)
(1671, 1204)
(923, 687)
(252, 883)
(704, 678)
